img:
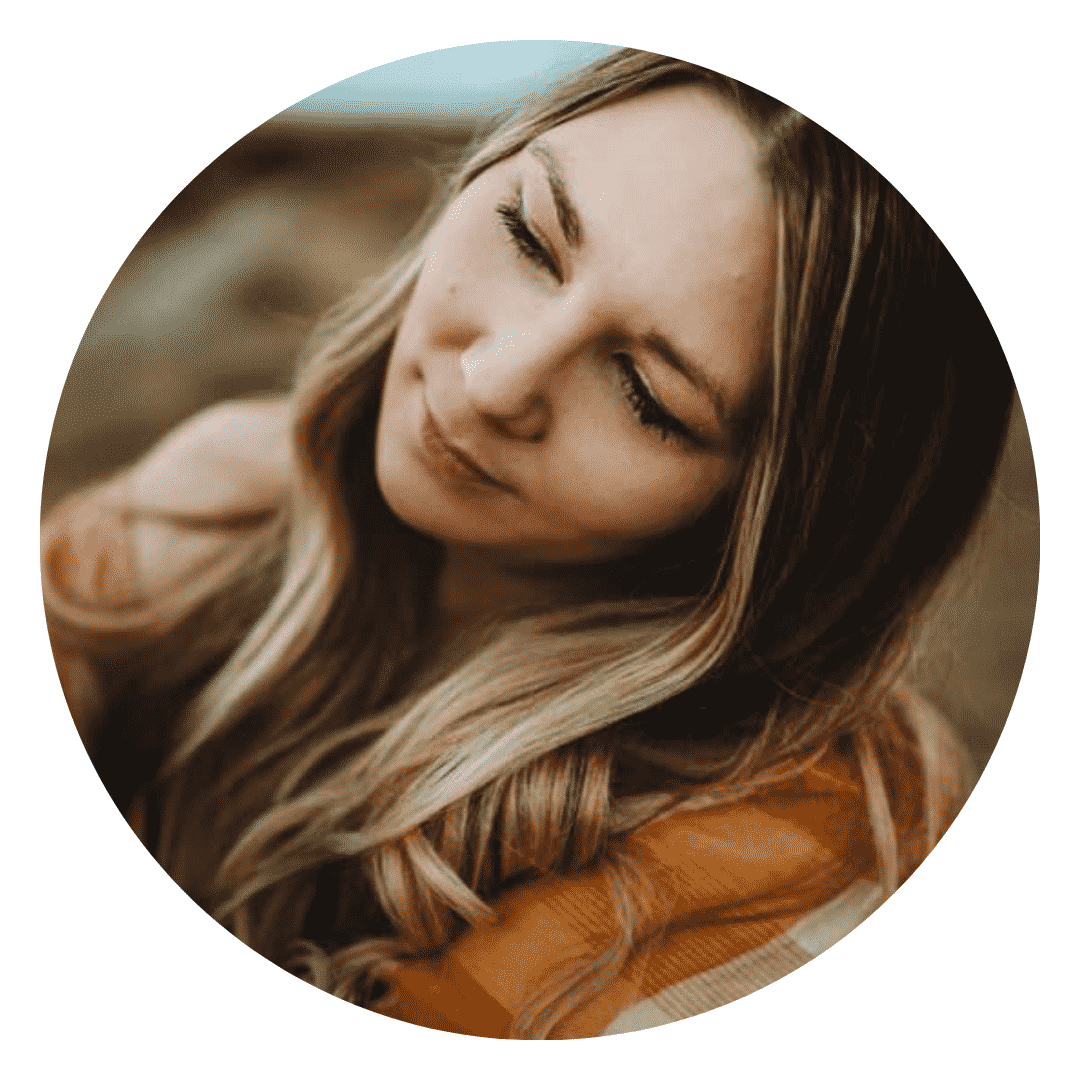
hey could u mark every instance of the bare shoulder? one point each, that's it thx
(123, 556)
(174, 513)
(233, 458)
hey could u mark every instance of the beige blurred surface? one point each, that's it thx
(979, 634)
(216, 298)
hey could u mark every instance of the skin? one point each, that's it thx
(508, 428)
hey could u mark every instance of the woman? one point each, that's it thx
(537, 668)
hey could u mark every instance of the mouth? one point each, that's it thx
(452, 461)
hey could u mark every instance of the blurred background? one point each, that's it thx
(215, 299)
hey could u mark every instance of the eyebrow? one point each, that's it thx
(569, 220)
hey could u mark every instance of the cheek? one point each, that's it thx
(467, 241)
(450, 298)
(636, 496)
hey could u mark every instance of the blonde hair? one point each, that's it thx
(309, 747)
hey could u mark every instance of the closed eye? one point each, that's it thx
(529, 246)
(650, 412)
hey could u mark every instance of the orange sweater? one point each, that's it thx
(745, 893)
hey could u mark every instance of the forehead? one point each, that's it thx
(678, 223)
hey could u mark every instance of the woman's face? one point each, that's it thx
(591, 319)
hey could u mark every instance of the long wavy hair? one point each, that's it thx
(302, 758)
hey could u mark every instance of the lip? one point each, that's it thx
(450, 461)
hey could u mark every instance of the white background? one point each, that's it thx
(110, 109)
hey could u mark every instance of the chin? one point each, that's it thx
(399, 493)
(413, 501)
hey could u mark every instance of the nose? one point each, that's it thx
(508, 382)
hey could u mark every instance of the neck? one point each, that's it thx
(476, 587)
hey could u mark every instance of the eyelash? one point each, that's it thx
(648, 410)
(512, 216)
